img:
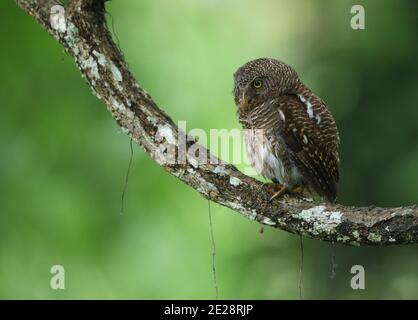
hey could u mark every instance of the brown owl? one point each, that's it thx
(290, 135)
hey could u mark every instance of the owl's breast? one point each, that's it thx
(260, 153)
(271, 158)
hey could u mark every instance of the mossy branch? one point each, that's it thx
(85, 37)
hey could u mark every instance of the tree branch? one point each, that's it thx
(85, 37)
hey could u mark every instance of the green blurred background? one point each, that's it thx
(63, 158)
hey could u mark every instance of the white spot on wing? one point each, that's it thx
(282, 115)
(308, 105)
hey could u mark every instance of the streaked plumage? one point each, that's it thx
(291, 137)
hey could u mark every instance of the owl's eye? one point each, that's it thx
(257, 84)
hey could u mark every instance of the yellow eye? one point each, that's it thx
(257, 84)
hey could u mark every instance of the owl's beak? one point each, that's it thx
(244, 100)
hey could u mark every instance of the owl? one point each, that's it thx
(290, 135)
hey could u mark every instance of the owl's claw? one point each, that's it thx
(285, 189)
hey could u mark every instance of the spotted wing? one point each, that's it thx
(311, 134)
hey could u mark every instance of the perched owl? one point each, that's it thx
(290, 135)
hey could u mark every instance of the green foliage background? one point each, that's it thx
(63, 158)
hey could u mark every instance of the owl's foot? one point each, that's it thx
(284, 188)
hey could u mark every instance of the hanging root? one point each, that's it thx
(212, 237)
(125, 186)
(334, 265)
(301, 267)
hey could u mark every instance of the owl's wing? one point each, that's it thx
(309, 130)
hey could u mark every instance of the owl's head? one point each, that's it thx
(263, 79)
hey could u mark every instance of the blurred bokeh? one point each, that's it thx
(63, 158)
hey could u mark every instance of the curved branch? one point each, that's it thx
(85, 36)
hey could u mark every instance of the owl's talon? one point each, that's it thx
(283, 189)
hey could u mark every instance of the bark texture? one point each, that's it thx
(85, 36)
